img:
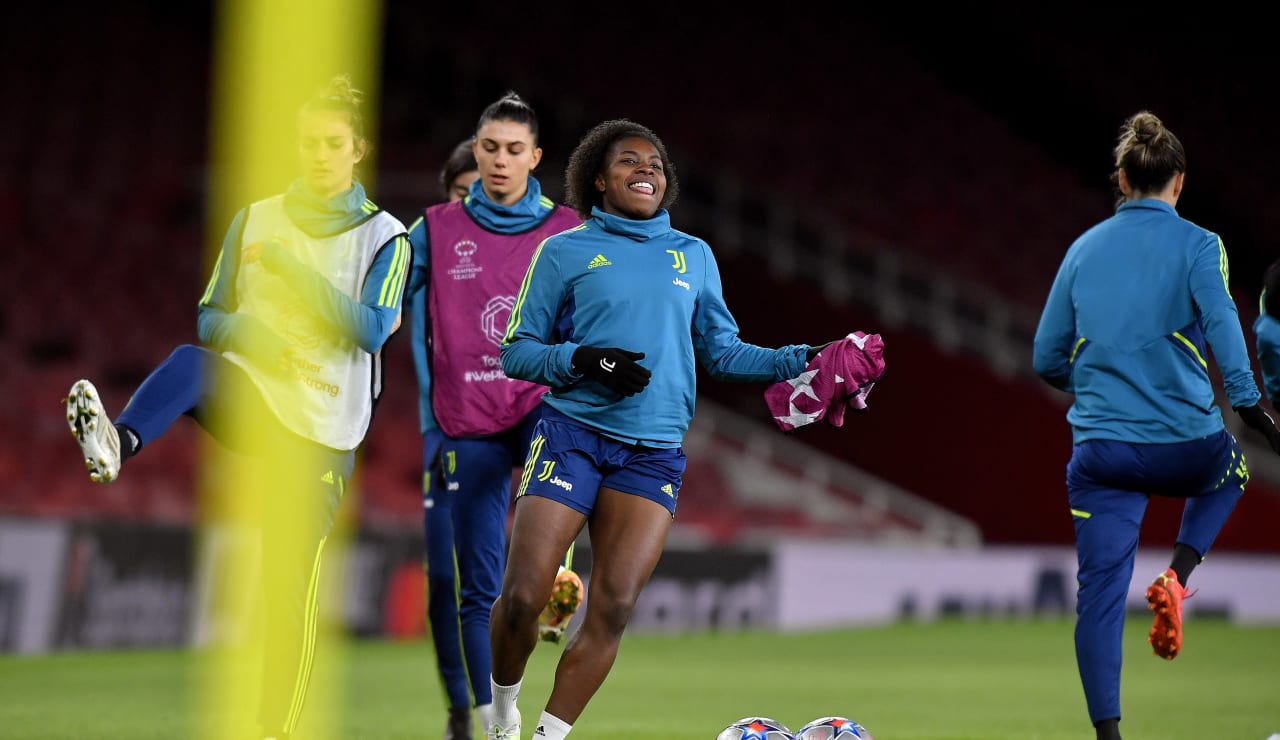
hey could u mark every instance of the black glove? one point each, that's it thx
(615, 369)
(813, 351)
(1257, 419)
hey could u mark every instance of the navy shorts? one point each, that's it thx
(570, 464)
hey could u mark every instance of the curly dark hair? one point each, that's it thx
(588, 160)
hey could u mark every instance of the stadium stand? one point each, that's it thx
(933, 218)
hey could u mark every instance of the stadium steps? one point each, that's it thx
(747, 481)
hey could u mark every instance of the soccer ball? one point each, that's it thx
(756, 728)
(833, 728)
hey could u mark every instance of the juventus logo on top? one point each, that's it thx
(679, 264)
(547, 467)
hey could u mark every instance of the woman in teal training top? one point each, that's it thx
(1137, 302)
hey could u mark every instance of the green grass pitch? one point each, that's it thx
(950, 680)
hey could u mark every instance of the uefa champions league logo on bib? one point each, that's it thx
(464, 249)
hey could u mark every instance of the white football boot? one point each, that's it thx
(98, 438)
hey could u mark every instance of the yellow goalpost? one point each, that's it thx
(270, 56)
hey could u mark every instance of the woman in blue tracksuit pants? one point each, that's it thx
(303, 297)
(470, 255)
(1137, 301)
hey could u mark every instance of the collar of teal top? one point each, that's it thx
(638, 229)
(1155, 203)
(522, 215)
(325, 216)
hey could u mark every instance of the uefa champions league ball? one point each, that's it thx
(756, 728)
(833, 728)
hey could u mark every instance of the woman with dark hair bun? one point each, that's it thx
(1137, 303)
(470, 254)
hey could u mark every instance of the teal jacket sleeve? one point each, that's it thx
(218, 324)
(1221, 320)
(420, 272)
(367, 322)
(416, 300)
(1267, 331)
(1055, 337)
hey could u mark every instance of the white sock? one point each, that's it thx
(505, 711)
(486, 714)
(552, 727)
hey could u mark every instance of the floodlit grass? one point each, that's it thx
(952, 680)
